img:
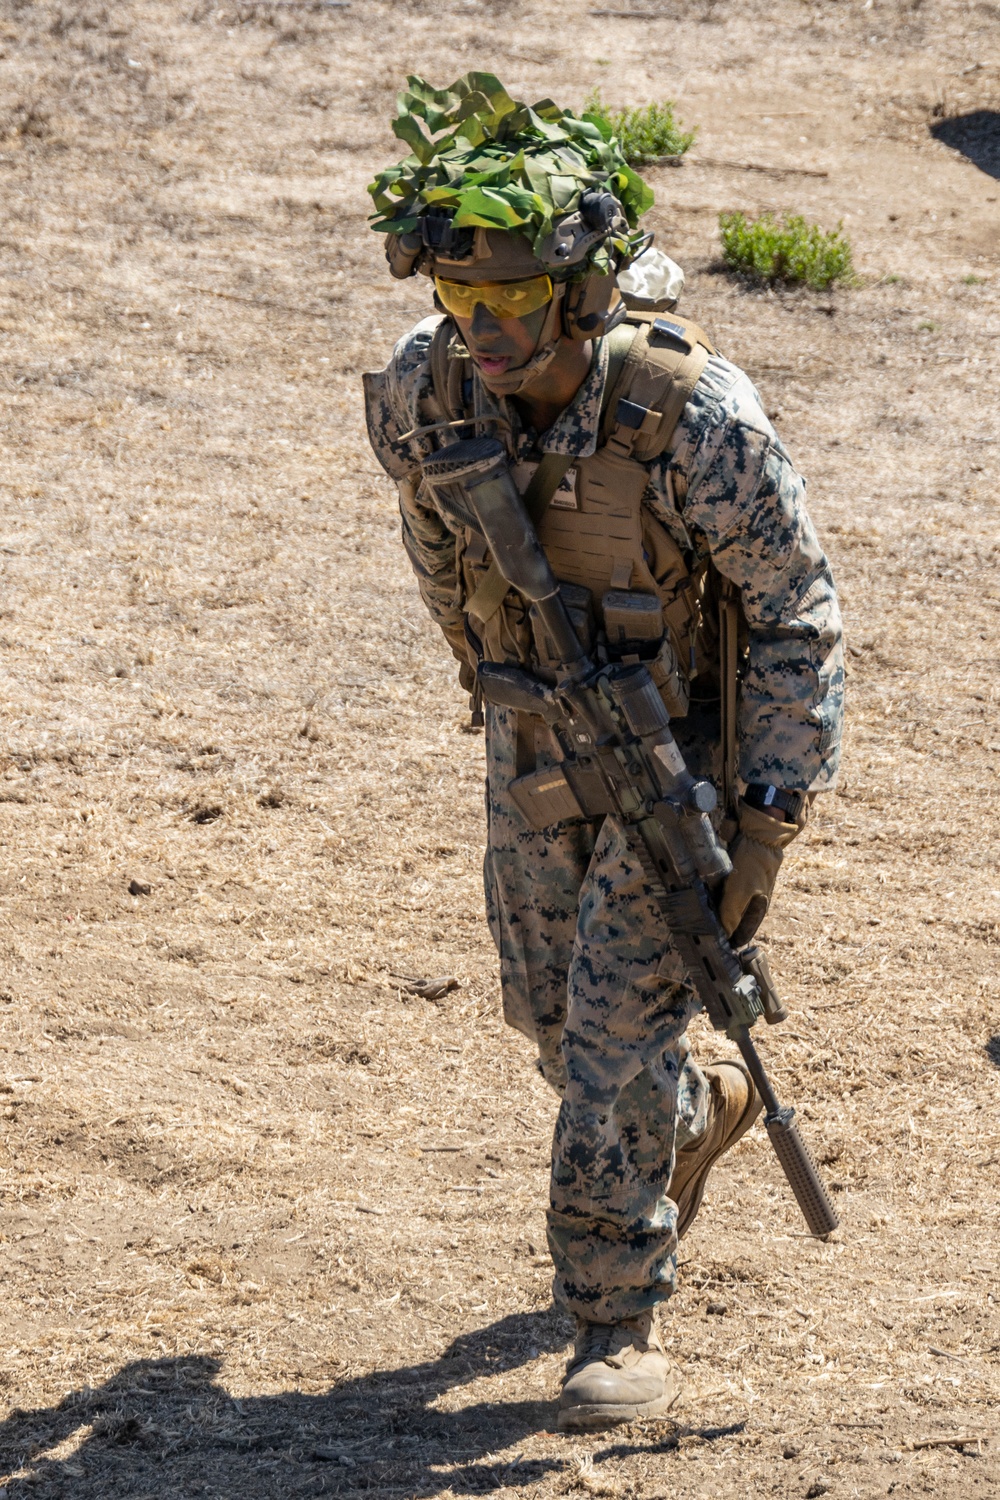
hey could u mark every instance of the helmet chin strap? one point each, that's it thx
(514, 382)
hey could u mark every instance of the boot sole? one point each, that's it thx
(593, 1418)
(739, 1131)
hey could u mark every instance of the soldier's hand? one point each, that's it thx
(756, 853)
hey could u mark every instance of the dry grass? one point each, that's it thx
(272, 1223)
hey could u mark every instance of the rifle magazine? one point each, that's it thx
(545, 797)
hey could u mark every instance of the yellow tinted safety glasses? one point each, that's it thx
(504, 299)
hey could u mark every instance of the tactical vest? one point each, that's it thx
(596, 532)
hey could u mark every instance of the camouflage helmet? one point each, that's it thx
(497, 189)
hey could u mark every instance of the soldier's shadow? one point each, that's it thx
(167, 1427)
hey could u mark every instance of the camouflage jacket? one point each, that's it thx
(725, 488)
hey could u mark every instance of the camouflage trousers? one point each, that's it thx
(588, 973)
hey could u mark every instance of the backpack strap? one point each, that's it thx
(664, 364)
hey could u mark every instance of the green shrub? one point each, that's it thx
(790, 250)
(645, 134)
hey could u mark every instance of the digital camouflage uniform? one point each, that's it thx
(587, 969)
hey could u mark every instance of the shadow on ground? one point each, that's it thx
(976, 135)
(993, 1050)
(166, 1427)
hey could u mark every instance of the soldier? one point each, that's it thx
(662, 493)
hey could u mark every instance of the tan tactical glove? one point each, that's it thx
(756, 853)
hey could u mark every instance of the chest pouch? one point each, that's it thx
(633, 621)
(579, 604)
(635, 629)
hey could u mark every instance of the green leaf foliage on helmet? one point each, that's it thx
(482, 160)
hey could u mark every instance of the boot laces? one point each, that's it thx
(601, 1341)
(597, 1341)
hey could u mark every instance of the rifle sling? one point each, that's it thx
(729, 624)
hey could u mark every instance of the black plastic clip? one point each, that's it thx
(673, 332)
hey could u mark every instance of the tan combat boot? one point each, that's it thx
(735, 1104)
(618, 1372)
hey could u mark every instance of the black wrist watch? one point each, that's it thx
(759, 794)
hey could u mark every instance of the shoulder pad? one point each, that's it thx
(662, 368)
(668, 330)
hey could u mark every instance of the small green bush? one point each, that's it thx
(790, 250)
(645, 134)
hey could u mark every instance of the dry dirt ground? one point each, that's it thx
(271, 1224)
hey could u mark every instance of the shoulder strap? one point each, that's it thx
(491, 593)
(446, 371)
(667, 359)
(621, 360)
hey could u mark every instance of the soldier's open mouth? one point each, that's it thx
(492, 364)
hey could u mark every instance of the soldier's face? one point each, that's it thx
(500, 344)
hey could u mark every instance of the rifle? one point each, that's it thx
(618, 756)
